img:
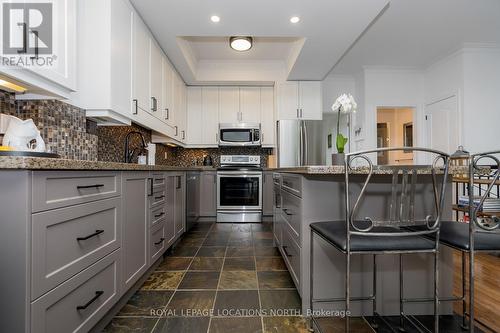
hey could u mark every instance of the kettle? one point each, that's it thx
(207, 160)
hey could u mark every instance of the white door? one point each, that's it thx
(167, 91)
(210, 115)
(140, 77)
(250, 104)
(310, 100)
(288, 100)
(268, 125)
(194, 117)
(442, 124)
(229, 107)
(155, 78)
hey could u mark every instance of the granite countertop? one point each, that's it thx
(38, 163)
(339, 170)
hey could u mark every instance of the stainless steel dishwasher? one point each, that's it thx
(192, 198)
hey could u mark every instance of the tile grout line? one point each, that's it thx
(217, 289)
(184, 274)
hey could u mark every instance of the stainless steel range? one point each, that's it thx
(239, 189)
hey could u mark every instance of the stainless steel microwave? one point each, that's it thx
(241, 134)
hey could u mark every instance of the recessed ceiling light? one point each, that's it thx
(215, 19)
(241, 43)
(294, 19)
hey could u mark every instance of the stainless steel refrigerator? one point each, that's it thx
(300, 142)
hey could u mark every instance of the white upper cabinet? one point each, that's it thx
(141, 59)
(250, 104)
(180, 109)
(268, 124)
(167, 92)
(310, 100)
(229, 105)
(210, 115)
(155, 78)
(300, 100)
(51, 46)
(194, 111)
(107, 27)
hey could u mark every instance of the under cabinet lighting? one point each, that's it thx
(12, 86)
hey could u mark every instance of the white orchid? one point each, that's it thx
(345, 103)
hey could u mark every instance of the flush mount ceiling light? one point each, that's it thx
(295, 19)
(215, 19)
(241, 43)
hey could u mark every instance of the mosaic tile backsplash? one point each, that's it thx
(68, 133)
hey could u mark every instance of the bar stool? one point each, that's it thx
(481, 234)
(387, 235)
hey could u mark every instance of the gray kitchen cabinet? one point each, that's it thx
(79, 303)
(65, 241)
(208, 194)
(170, 210)
(137, 186)
(267, 194)
(180, 202)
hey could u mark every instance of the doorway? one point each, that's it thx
(395, 128)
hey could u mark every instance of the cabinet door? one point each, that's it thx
(63, 67)
(268, 125)
(140, 77)
(183, 112)
(210, 115)
(250, 104)
(267, 194)
(288, 100)
(155, 78)
(208, 194)
(170, 220)
(194, 115)
(167, 91)
(135, 230)
(229, 105)
(310, 100)
(180, 210)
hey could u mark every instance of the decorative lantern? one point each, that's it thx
(459, 162)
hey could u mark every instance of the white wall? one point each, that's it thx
(481, 103)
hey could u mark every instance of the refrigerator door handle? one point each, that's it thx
(300, 152)
(305, 144)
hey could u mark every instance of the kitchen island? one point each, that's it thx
(304, 195)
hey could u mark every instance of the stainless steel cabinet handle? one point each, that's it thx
(34, 32)
(183, 134)
(136, 106)
(298, 116)
(150, 187)
(168, 114)
(301, 115)
(154, 104)
(25, 42)
(176, 130)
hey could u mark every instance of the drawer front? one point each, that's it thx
(79, 303)
(158, 242)
(65, 241)
(159, 181)
(292, 184)
(56, 189)
(157, 199)
(291, 210)
(157, 215)
(291, 253)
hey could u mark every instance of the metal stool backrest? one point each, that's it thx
(488, 223)
(405, 179)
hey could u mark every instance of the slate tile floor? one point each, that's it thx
(224, 278)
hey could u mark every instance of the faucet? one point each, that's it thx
(129, 154)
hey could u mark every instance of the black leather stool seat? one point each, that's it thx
(456, 234)
(335, 232)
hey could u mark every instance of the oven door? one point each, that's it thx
(239, 137)
(239, 190)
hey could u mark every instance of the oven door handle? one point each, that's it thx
(239, 174)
